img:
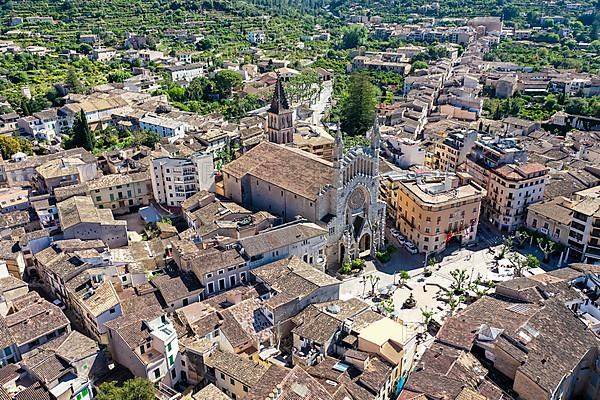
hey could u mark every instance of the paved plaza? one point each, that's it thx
(429, 292)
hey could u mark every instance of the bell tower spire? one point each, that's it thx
(375, 134)
(280, 126)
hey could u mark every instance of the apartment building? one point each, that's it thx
(433, 211)
(488, 153)
(511, 189)
(165, 127)
(185, 73)
(175, 179)
(451, 152)
(145, 342)
(117, 192)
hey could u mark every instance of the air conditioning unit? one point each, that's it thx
(544, 231)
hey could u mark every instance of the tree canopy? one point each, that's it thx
(354, 36)
(82, 134)
(133, 389)
(358, 108)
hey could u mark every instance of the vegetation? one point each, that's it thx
(82, 135)
(351, 267)
(547, 246)
(133, 389)
(358, 107)
(385, 255)
(460, 278)
(11, 145)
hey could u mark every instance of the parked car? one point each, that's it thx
(59, 304)
(411, 248)
(395, 232)
(402, 240)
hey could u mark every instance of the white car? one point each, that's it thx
(411, 248)
(395, 232)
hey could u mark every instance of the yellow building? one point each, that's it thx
(436, 209)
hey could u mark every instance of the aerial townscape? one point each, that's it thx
(299, 200)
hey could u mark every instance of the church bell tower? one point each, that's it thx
(280, 126)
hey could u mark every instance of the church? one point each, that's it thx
(340, 196)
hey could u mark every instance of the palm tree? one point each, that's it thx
(427, 315)
(460, 276)
(547, 247)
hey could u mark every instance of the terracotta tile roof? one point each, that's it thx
(34, 392)
(8, 373)
(35, 320)
(279, 237)
(213, 260)
(210, 392)
(293, 277)
(239, 368)
(290, 169)
(102, 300)
(131, 327)
(177, 287)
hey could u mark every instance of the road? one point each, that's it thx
(320, 107)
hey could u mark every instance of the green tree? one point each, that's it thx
(133, 389)
(460, 277)
(176, 93)
(547, 246)
(354, 36)
(419, 65)
(82, 134)
(118, 76)
(403, 276)
(198, 88)
(11, 145)
(72, 81)
(225, 81)
(577, 106)
(358, 107)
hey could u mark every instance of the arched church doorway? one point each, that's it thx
(365, 242)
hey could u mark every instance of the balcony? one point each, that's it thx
(163, 392)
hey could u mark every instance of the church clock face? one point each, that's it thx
(357, 199)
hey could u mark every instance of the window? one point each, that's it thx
(232, 281)
(98, 198)
(157, 373)
(221, 271)
(208, 276)
(171, 360)
(182, 363)
(246, 388)
(210, 286)
(173, 374)
(242, 277)
(185, 302)
(169, 347)
(221, 284)
(142, 349)
(222, 376)
(231, 381)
